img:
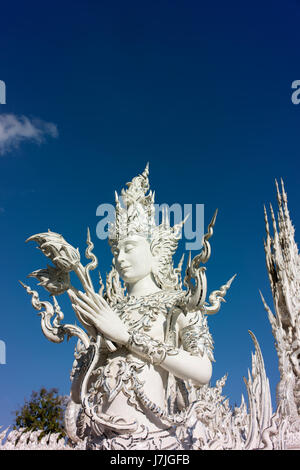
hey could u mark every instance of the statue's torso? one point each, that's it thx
(122, 373)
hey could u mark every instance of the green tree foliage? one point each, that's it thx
(43, 411)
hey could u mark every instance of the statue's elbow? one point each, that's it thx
(204, 373)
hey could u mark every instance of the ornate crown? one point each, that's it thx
(135, 215)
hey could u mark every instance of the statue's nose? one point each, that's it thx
(120, 257)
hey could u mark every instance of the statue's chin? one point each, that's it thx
(131, 279)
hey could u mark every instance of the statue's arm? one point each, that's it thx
(192, 362)
(185, 366)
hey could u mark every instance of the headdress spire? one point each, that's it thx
(135, 212)
(135, 215)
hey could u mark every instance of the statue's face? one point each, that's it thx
(133, 258)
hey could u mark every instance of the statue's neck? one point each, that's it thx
(142, 287)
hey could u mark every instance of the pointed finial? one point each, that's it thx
(189, 259)
(230, 281)
(273, 220)
(284, 195)
(213, 220)
(146, 170)
(278, 193)
(266, 221)
(180, 263)
(180, 224)
(267, 308)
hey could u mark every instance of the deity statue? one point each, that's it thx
(144, 352)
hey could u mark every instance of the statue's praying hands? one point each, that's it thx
(99, 314)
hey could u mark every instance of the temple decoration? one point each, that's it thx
(144, 355)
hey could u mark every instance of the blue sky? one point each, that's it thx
(200, 90)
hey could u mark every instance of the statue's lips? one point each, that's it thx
(125, 268)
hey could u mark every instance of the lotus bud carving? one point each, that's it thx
(54, 280)
(63, 255)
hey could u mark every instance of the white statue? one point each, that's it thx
(146, 352)
(143, 361)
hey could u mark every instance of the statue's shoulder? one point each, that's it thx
(172, 297)
(169, 301)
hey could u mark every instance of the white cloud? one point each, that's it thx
(15, 129)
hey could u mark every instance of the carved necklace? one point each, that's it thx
(147, 307)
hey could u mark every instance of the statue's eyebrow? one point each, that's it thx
(131, 242)
(125, 244)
